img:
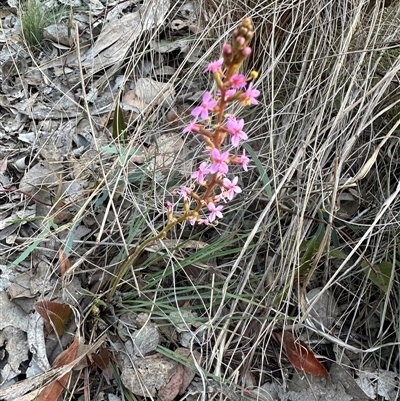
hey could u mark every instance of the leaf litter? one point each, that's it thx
(56, 146)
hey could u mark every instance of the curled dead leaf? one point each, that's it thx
(103, 361)
(300, 356)
(54, 313)
(53, 391)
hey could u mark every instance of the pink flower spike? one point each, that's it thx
(201, 172)
(208, 104)
(184, 192)
(214, 66)
(231, 187)
(215, 211)
(243, 160)
(219, 162)
(235, 129)
(192, 127)
(249, 96)
(238, 81)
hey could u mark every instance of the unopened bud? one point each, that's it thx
(247, 22)
(240, 40)
(254, 75)
(246, 51)
(226, 49)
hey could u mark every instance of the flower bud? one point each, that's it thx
(246, 51)
(254, 75)
(226, 49)
(241, 40)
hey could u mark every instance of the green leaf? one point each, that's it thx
(305, 262)
(119, 126)
(32, 246)
(335, 253)
(261, 170)
(380, 275)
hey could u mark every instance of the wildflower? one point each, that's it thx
(192, 220)
(214, 66)
(243, 160)
(169, 211)
(248, 97)
(220, 197)
(235, 129)
(238, 81)
(215, 211)
(201, 172)
(229, 93)
(192, 127)
(207, 104)
(231, 187)
(219, 161)
(169, 206)
(184, 192)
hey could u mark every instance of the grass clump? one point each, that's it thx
(33, 21)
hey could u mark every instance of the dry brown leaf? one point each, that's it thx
(65, 263)
(188, 373)
(116, 38)
(28, 389)
(54, 390)
(54, 313)
(103, 361)
(170, 390)
(147, 375)
(300, 356)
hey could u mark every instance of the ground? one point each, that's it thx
(283, 285)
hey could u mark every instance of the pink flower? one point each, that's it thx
(243, 160)
(231, 187)
(214, 66)
(238, 81)
(220, 197)
(208, 104)
(228, 93)
(201, 172)
(219, 161)
(249, 96)
(192, 220)
(192, 127)
(169, 206)
(184, 192)
(215, 211)
(235, 129)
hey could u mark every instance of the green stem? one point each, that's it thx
(133, 256)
